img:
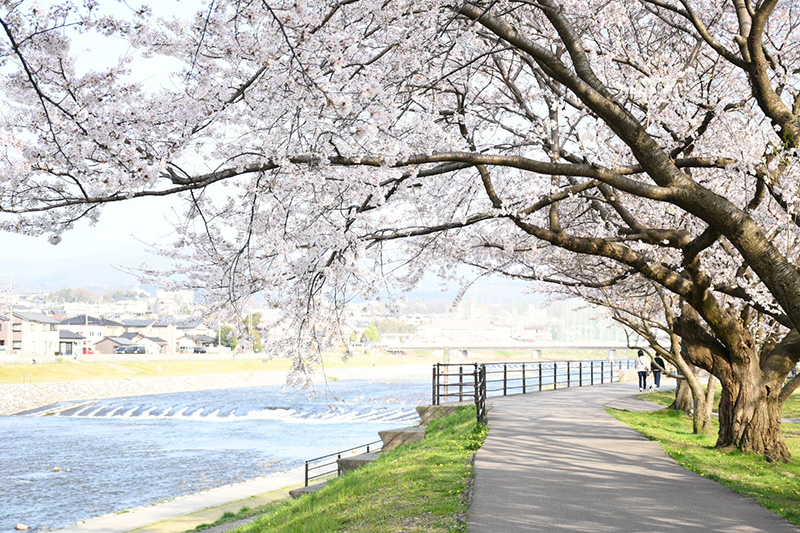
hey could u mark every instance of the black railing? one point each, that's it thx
(454, 382)
(326, 465)
(480, 395)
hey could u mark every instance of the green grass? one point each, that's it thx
(791, 408)
(419, 487)
(229, 516)
(776, 486)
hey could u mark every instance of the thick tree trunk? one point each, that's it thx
(749, 409)
(750, 416)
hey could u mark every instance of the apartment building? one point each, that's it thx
(28, 333)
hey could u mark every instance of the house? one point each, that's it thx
(5, 335)
(150, 344)
(195, 328)
(152, 328)
(29, 333)
(139, 325)
(110, 345)
(188, 343)
(93, 328)
(69, 342)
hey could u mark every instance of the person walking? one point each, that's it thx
(658, 366)
(642, 368)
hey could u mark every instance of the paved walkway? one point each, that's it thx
(556, 461)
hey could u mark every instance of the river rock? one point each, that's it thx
(21, 527)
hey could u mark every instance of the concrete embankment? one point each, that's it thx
(15, 398)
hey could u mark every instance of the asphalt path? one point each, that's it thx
(556, 461)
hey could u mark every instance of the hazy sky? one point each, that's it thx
(92, 256)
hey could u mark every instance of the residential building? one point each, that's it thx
(29, 333)
(188, 343)
(109, 345)
(69, 342)
(5, 335)
(150, 344)
(150, 327)
(92, 328)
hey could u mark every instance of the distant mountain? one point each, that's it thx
(30, 275)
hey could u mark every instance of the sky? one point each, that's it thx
(89, 256)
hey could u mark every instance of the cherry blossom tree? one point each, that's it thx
(327, 150)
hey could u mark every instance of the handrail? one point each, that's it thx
(480, 394)
(478, 381)
(310, 466)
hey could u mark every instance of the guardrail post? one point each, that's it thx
(540, 377)
(434, 396)
(306, 473)
(505, 379)
(476, 386)
(580, 373)
(591, 369)
(524, 391)
(460, 383)
(555, 375)
(480, 393)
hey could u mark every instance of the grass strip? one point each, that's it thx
(776, 486)
(243, 513)
(419, 487)
(790, 409)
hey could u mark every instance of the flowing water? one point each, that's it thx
(121, 453)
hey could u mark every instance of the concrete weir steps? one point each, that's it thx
(392, 438)
(346, 464)
(302, 491)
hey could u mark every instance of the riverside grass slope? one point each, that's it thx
(419, 487)
(776, 486)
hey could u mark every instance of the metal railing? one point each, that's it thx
(326, 465)
(454, 382)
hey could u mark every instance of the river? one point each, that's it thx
(116, 454)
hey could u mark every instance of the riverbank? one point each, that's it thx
(19, 397)
(186, 512)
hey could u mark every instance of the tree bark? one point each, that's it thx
(750, 415)
(683, 398)
(749, 409)
(704, 408)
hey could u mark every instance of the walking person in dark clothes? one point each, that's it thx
(658, 366)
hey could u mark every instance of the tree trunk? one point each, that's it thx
(704, 405)
(691, 399)
(683, 398)
(749, 414)
(749, 409)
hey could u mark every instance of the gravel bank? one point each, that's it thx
(15, 398)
